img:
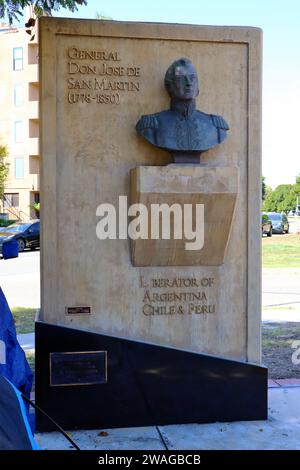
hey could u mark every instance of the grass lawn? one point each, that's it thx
(31, 360)
(280, 335)
(24, 323)
(281, 251)
(24, 319)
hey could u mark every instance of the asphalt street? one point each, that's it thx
(294, 225)
(20, 279)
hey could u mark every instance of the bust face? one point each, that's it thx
(185, 83)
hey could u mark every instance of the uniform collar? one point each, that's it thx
(184, 108)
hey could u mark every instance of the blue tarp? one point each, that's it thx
(15, 432)
(13, 362)
(10, 249)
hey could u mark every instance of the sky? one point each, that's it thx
(280, 21)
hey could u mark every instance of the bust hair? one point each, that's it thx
(169, 76)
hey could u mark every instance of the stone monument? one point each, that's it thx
(134, 328)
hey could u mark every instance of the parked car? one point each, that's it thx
(266, 225)
(280, 222)
(26, 233)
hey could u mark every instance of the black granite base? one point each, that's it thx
(145, 385)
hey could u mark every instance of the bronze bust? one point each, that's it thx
(183, 130)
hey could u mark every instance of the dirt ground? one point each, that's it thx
(280, 350)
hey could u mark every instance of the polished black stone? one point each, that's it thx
(146, 385)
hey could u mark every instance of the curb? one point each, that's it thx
(273, 383)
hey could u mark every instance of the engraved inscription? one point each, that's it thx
(177, 296)
(78, 310)
(78, 368)
(91, 78)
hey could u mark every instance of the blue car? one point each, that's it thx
(26, 233)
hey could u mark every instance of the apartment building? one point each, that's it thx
(19, 121)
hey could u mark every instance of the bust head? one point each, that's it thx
(181, 80)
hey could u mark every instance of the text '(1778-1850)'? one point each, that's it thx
(97, 76)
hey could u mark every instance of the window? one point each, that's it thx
(19, 132)
(36, 198)
(18, 95)
(19, 167)
(18, 58)
(10, 200)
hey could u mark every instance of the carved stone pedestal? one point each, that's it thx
(215, 188)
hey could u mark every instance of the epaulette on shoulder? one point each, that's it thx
(148, 121)
(219, 122)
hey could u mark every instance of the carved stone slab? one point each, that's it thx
(216, 188)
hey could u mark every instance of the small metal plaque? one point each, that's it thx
(78, 368)
(78, 310)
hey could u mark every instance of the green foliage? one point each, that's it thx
(13, 8)
(36, 207)
(24, 319)
(282, 251)
(4, 167)
(282, 199)
(297, 185)
(268, 191)
(263, 188)
(6, 222)
(30, 356)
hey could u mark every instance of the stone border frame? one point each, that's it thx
(252, 37)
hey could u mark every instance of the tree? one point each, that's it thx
(4, 167)
(282, 199)
(297, 185)
(268, 191)
(263, 188)
(13, 8)
(297, 191)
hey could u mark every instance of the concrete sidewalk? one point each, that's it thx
(280, 432)
(281, 294)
